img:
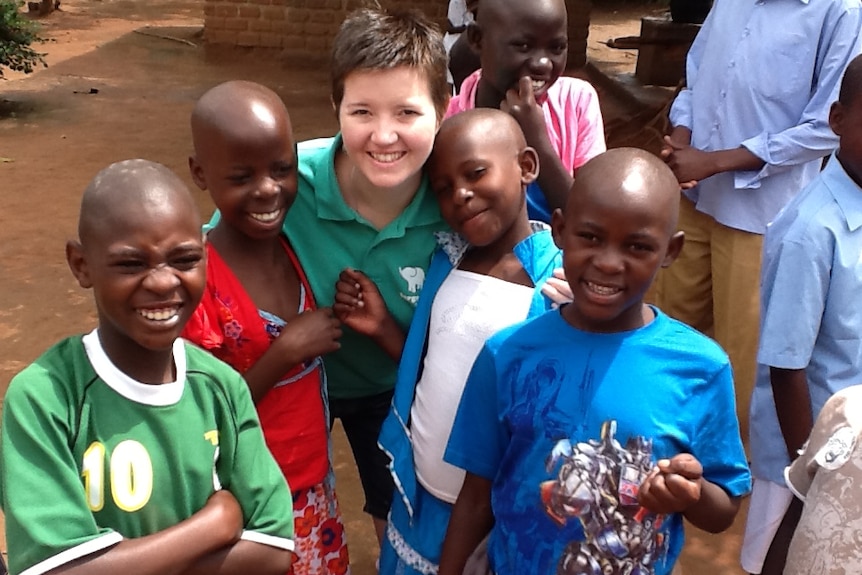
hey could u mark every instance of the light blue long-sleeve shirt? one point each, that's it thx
(762, 74)
(812, 277)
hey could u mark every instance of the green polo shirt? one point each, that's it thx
(329, 236)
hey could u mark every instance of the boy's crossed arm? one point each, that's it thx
(205, 543)
(676, 485)
(51, 525)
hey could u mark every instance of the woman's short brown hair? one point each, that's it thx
(373, 39)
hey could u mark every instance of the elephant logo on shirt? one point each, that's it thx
(415, 278)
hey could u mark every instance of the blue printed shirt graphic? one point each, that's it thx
(567, 423)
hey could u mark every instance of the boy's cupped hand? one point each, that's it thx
(673, 485)
(358, 303)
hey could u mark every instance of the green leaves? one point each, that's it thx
(17, 34)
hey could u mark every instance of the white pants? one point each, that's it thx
(768, 504)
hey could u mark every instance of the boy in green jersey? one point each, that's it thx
(127, 450)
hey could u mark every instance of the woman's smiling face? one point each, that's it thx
(388, 123)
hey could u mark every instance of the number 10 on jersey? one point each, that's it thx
(130, 475)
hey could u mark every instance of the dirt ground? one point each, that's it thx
(122, 80)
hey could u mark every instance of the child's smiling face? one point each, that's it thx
(388, 122)
(518, 39)
(246, 159)
(479, 170)
(145, 260)
(618, 230)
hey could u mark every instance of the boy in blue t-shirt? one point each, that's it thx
(589, 432)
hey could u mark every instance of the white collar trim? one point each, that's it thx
(147, 394)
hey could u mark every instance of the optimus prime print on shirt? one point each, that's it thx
(597, 484)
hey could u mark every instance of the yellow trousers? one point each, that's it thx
(714, 286)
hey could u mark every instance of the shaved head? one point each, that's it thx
(492, 9)
(851, 83)
(237, 110)
(628, 175)
(141, 251)
(124, 190)
(486, 124)
(617, 231)
(481, 164)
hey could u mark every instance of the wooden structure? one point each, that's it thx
(663, 48)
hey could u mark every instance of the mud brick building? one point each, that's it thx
(305, 28)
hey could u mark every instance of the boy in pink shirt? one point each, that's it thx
(522, 47)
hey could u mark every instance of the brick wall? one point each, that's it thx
(305, 28)
(298, 27)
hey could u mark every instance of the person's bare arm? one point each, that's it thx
(679, 137)
(690, 165)
(793, 407)
(470, 522)
(242, 558)
(715, 511)
(554, 179)
(171, 551)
